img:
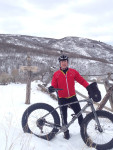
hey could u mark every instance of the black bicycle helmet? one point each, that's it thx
(63, 57)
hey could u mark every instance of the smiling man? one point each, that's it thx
(65, 79)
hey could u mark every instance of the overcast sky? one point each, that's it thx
(91, 19)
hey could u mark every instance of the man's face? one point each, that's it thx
(64, 64)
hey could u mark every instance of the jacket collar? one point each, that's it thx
(64, 71)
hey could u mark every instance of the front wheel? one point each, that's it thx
(39, 119)
(101, 140)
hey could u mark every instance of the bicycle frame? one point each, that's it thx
(63, 128)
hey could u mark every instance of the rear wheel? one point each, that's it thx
(92, 136)
(33, 120)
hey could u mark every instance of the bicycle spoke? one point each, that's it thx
(32, 122)
(100, 137)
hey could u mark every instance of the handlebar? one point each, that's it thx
(57, 89)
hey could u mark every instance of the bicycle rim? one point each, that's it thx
(33, 119)
(100, 138)
(92, 136)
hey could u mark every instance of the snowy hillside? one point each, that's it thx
(12, 98)
(86, 55)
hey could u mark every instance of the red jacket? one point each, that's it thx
(67, 82)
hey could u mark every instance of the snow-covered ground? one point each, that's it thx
(12, 106)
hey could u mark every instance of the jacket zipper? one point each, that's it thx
(67, 86)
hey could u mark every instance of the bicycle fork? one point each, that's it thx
(96, 119)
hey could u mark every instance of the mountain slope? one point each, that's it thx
(86, 55)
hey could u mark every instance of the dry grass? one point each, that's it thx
(12, 138)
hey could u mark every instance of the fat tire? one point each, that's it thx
(44, 106)
(85, 136)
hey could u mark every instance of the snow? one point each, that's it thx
(12, 137)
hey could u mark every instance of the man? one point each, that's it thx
(65, 79)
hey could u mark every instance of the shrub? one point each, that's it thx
(5, 78)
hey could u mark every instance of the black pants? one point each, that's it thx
(75, 107)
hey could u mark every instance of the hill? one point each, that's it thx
(86, 55)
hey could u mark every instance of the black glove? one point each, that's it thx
(51, 89)
(94, 92)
